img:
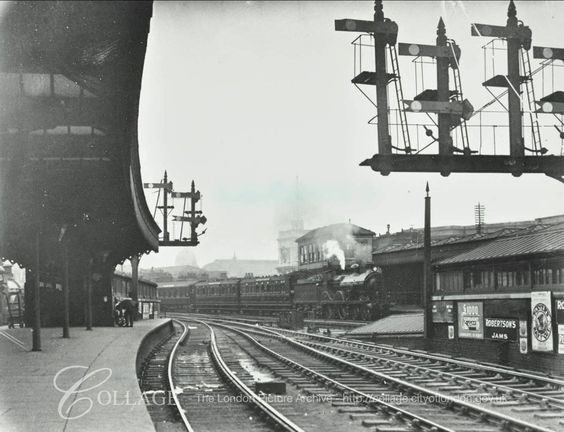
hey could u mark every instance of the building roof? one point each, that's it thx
(239, 268)
(475, 237)
(128, 276)
(337, 230)
(522, 242)
(173, 270)
(412, 239)
(408, 323)
(177, 284)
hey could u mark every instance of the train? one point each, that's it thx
(330, 293)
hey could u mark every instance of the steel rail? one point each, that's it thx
(501, 418)
(278, 418)
(444, 374)
(172, 356)
(435, 357)
(443, 358)
(333, 383)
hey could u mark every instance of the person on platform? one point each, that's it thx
(117, 312)
(130, 307)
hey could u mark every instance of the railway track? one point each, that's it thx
(155, 385)
(266, 320)
(305, 405)
(211, 396)
(457, 403)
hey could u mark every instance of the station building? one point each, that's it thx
(148, 303)
(504, 299)
(498, 293)
(400, 254)
(351, 242)
(288, 254)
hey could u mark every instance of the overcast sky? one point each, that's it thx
(244, 97)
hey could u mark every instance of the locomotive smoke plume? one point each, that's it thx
(333, 249)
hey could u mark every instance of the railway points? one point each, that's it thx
(286, 350)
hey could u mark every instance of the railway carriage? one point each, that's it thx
(329, 294)
(265, 295)
(216, 296)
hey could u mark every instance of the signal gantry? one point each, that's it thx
(193, 217)
(455, 114)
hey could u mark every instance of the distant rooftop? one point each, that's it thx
(128, 276)
(336, 230)
(174, 270)
(240, 267)
(509, 229)
(180, 283)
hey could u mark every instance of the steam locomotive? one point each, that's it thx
(329, 293)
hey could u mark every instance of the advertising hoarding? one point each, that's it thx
(470, 320)
(541, 325)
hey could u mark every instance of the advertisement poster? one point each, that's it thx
(523, 346)
(541, 325)
(501, 329)
(523, 331)
(559, 311)
(560, 338)
(470, 320)
(443, 312)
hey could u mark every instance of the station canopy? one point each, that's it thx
(70, 78)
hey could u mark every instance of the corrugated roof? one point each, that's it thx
(393, 324)
(462, 239)
(539, 241)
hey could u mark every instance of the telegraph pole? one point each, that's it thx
(427, 270)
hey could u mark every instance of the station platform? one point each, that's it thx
(408, 324)
(85, 383)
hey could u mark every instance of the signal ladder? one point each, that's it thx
(530, 91)
(463, 127)
(399, 97)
